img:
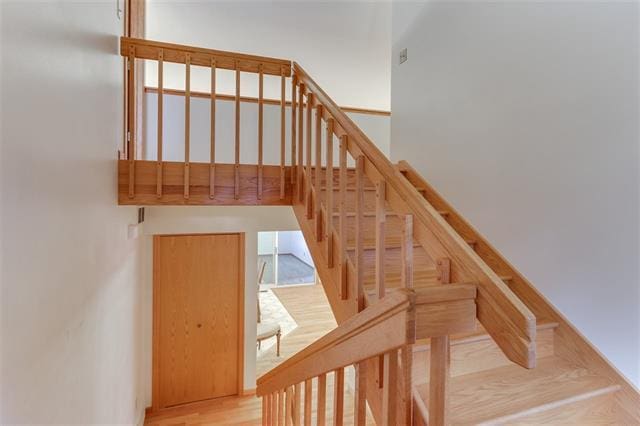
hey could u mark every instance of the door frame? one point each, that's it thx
(155, 374)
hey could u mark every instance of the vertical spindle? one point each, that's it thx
(212, 164)
(360, 398)
(282, 131)
(328, 224)
(160, 126)
(294, 169)
(318, 174)
(359, 207)
(236, 171)
(342, 206)
(187, 123)
(307, 174)
(300, 143)
(131, 128)
(308, 394)
(406, 252)
(260, 128)
(338, 397)
(321, 407)
(390, 389)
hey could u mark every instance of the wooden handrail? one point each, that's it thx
(504, 316)
(149, 49)
(387, 325)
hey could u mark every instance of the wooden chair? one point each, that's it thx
(266, 330)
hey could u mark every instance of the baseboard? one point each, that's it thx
(248, 392)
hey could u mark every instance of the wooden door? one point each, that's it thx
(198, 317)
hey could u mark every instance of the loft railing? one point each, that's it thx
(195, 175)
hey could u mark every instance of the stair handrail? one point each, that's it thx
(505, 317)
(376, 330)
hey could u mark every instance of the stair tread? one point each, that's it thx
(599, 410)
(505, 393)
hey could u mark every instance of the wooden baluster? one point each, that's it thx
(265, 420)
(297, 399)
(440, 362)
(406, 252)
(318, 174)
(236, 171)
(342, 204)
(300, 169)
(288, 415)
(260, 128)
(282, 130)
(321, 413)
(281, 407)
(212, 165)
(160, 127)
(439, 380)
(267, 403)
(406, 354)
(360, 391)
(308, 394)
(381, 217)
(131, 128)
(359, 284)
(307, 176)
(274, 408)
(294, 169)
(338, 397)
(390, 388)
(187, 123)
(328, 224)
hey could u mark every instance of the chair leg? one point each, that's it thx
(259, 344)
(278, 344)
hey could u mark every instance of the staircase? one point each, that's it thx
(438, 326)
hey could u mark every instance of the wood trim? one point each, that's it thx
(148, 49)
(155, 384)
(266, 101)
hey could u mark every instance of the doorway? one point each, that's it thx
(198, 317)
(286, 258)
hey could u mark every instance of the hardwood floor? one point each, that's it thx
(309, 307)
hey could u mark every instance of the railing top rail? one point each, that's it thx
(149, 49)
(498, 297)
(391, 320)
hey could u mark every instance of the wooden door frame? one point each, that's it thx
(155, 384)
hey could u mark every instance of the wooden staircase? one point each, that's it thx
(438, 326)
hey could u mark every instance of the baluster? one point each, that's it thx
(131, 128)
(236, 170)
(297, 399)
(187, 123)
(439, 380)
(288, 416)
(381, 217)
(390, 388)
(359, 284)
(342, 204)
(307, 177)
(338, 397)
(294, 168)
(406, 354)
(300, 142)
(318, 174)
(321, 414)
(260, 128)
(282, 131)
(360, 401)
(274, 408)
(265, 420)
(267, 399)
(406, 252)
(281, 407)
(212, 166)
(160, 127)
(328, 224)
(308, 393)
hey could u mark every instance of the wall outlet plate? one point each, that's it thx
(403, 55)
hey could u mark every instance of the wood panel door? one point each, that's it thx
(198, 317)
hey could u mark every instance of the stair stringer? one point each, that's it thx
(342, 309)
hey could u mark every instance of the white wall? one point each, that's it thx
(377, 128)
(292, 242)
(70, 277)
(344, 45)
(525, 116)
(206, 219)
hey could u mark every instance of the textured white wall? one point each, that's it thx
(206, 219)
(344, 45)
(525, 116)
(70, 277)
